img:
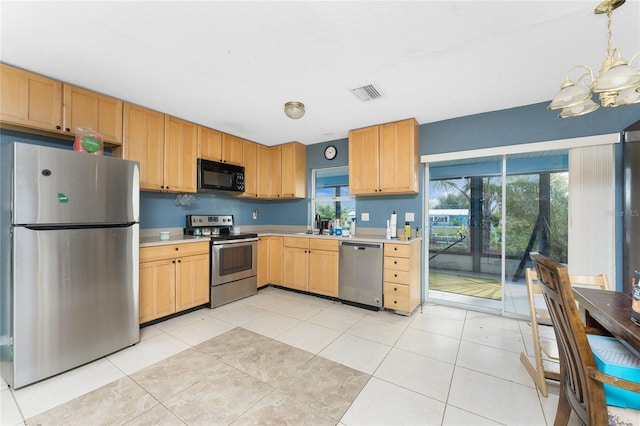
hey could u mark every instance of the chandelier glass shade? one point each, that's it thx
(294, 110)
(618, 83)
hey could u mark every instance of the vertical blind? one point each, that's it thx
(592, 211)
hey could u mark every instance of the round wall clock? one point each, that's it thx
(330, 152)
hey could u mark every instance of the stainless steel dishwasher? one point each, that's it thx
(360, 278)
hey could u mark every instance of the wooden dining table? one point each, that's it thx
(609, 310)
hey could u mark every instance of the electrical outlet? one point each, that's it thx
(255, 214)
(409, 217)
(364, 217)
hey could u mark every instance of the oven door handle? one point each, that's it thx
(225, 242)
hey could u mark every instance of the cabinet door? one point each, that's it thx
(263, 261)
(30, 100)
(323, 272)
(144, 143)
(86, 109)
(209, 144)
(180, 161)
(294, 170)
(399, 157)
(157, 289)
(264, 171)
(250, 162)
(296, 268)
(363, 161)
(275, 176)
(275, 260)
(231, 149)
(192, 281)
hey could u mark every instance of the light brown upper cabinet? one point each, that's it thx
(30, 100)
(264, 171)
(232, 149)
(86, 109)
(384, 159)
(38, 102)
(275, 174)
(249, 161)
(294, 170)
(209, 144)
(144, 143)
(180, 155)
(269, 172)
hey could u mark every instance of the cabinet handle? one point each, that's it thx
(395, 262)
(173, 261)
(58, 127)
(395, 302)
(67, 129)
(395, 249)
(177, 248)
(395, 275)
(179, 261)
(395, 289)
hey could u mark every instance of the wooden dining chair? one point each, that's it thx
(545, 350)
(581, 383)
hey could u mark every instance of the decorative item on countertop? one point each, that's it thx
(635, 295)
(89, 141)
(165, 235)
(394, 225)
(331, 229)
(417, 232)
(388, 230)
(353, 226)
(407, 230)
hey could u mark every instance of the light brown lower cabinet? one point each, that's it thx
(311, 264)
(173, 278)
(269, 260)
(402, 276)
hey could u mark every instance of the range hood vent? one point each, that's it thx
(366, 93)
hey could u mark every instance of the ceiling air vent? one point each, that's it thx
(366, 93)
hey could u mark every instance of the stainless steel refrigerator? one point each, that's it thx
(69, 259)
(631, 160)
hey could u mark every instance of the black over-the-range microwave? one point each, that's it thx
(217, 177)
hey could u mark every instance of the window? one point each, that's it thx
(330, 195)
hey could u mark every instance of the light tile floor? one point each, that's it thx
(281, 357)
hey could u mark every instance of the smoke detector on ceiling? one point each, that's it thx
(366, 93)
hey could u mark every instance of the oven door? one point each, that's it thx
(233, 260)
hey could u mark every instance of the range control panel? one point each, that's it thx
(209, 221)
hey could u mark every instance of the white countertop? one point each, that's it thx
(151, 238)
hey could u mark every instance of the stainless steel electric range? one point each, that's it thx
(233, 257)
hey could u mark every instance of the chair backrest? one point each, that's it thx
(585, 396)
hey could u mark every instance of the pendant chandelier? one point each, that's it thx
(618, 83)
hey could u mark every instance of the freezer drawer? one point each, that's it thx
(76, 306)
(56, 186)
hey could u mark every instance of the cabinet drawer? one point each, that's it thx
(396, 263)
(394, 301)
(170, 251)
(320, 244)
(394, 276)
(295, 242)
(397, 290)
(397, 250)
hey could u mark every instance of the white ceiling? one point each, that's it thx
(232, 65)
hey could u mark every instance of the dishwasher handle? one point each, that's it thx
(360, 246)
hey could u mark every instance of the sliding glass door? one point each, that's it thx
(464, 251)
(485, 217)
